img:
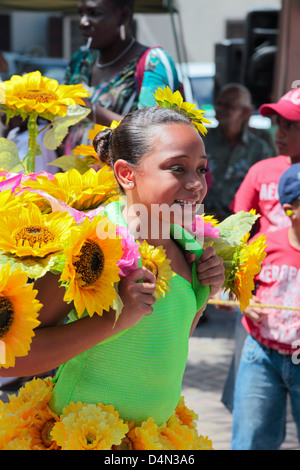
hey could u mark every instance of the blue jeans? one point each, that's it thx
(264, 379)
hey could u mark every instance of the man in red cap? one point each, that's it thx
(259, 188)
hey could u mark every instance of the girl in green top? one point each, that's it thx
(137, 363)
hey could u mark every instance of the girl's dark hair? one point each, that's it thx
(131, 140)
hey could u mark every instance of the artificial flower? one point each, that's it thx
(21, 440)
(89, 427)
(165, 98)
(172, 435)
(7, 201)
(203, 226)
(28, 232)
(147, 437)
(246, 264)
(18, 314)
(32, 397)
(41, 428)
(98, 128)
(154, 259)
(185, 415)
(86, 150)
(12, 182)
(82, 192)
(34, 93)
(91, 269)
(131, 255)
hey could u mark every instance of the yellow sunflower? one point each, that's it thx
(98, 128)
(91, 266)
(89, 427)
(8, 200)
(18, 314)
(154, 259)
(165, 98)
(247, 264)
(82, 192)
(86, 150)
(34, 93)
(210, 219)
(28, 232)
(41, 428)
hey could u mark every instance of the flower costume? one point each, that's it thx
(125, 392)
(140, 370)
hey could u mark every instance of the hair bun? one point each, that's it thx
(101, 144)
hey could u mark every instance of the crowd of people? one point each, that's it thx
(247, 174)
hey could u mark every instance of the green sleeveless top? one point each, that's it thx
(139, 371)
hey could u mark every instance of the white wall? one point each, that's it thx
(203, 24)
(28, 30)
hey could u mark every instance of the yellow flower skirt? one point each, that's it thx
(27, 423)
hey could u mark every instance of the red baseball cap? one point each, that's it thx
(288, 106)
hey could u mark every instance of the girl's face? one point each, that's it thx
(288, 138)
(173, 173)
(99, 19)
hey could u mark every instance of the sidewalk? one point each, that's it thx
(211, 348)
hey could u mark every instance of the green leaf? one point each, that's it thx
(9, 156)
(34, 267)
(68, 162)
(236, 226)
(60, 125)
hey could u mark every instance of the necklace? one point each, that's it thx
(107, 64)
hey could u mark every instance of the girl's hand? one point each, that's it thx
(136, 296)
(210, 270)
(255, 314)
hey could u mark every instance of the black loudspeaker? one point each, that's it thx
(228, 63)
(261, 36)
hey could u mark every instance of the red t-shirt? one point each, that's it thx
(278, 284)
(259, 191)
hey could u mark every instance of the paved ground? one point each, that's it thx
(211, 349)
(210, 355)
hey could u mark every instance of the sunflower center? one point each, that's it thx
(91, 262)
(42, 96)
(46, 433)
(6, 315)
(149, 264)
(33, 234)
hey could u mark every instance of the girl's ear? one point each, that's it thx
(124, 174)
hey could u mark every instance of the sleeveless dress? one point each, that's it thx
(139, 371)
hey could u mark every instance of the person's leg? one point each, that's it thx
(240, 335)
(259, 411)
(294, 390)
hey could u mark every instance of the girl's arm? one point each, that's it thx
(196, 319)
(54, 343)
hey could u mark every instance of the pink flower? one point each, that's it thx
(202, 229)
(33, 176)
(130, 259)
(11, 182)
